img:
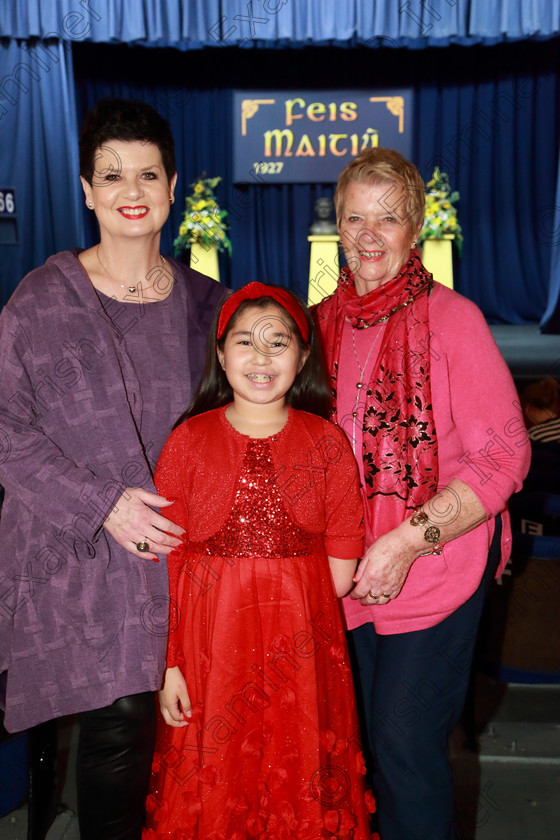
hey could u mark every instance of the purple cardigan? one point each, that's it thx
(82, 621)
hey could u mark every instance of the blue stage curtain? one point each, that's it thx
(487, 122)
(188, 23)
(150, 22)
(481, 115)
(38, 155)
(548, 228)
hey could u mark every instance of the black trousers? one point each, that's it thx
(114, 760)
(413, 687)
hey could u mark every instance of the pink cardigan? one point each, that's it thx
(482, 441)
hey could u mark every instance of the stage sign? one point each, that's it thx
(310, 135)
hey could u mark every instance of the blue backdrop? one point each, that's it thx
(488, 115)
(192, 23)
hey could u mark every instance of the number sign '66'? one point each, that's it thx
(7, 202)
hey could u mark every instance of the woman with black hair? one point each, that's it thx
(92, 343)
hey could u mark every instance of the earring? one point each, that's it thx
(90, 203)
(414, 243)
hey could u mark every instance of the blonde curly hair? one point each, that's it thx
(376, 166)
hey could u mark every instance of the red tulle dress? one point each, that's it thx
(272, 750)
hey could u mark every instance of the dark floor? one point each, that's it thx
(510, 787)
(507, 789)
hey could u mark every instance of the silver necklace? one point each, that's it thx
(131, 289)
(360, 384)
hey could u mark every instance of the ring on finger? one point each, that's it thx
(372, 596)
(143, 545)
(383, 595)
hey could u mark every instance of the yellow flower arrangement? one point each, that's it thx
(203, 220)
(440, 217)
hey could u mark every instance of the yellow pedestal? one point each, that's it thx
(323, 267)
(205, 260)
(437, 258)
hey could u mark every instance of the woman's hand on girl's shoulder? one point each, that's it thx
(174, 700)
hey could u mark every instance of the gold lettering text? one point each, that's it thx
(333, 140)
(290, 104)
(349, 111)
(316, 111)
(305, 149)
(278, 137)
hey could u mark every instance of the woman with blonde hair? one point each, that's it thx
(429, 408)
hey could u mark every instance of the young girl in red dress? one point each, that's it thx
(259, 736)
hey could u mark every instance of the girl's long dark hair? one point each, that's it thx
(309, 391)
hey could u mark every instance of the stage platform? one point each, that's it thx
(530, 355)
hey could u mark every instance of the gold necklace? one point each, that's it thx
(131, 289)
(360, 384)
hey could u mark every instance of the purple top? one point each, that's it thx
(89, 390)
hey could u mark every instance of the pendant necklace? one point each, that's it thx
(131, 289)
(360, 384)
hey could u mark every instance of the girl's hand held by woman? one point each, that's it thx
(384, 569)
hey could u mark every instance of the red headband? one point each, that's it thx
(253, 291)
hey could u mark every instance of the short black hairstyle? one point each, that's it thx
(124, 119)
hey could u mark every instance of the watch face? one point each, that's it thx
(431, 534)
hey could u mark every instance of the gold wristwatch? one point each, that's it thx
(431, 534)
